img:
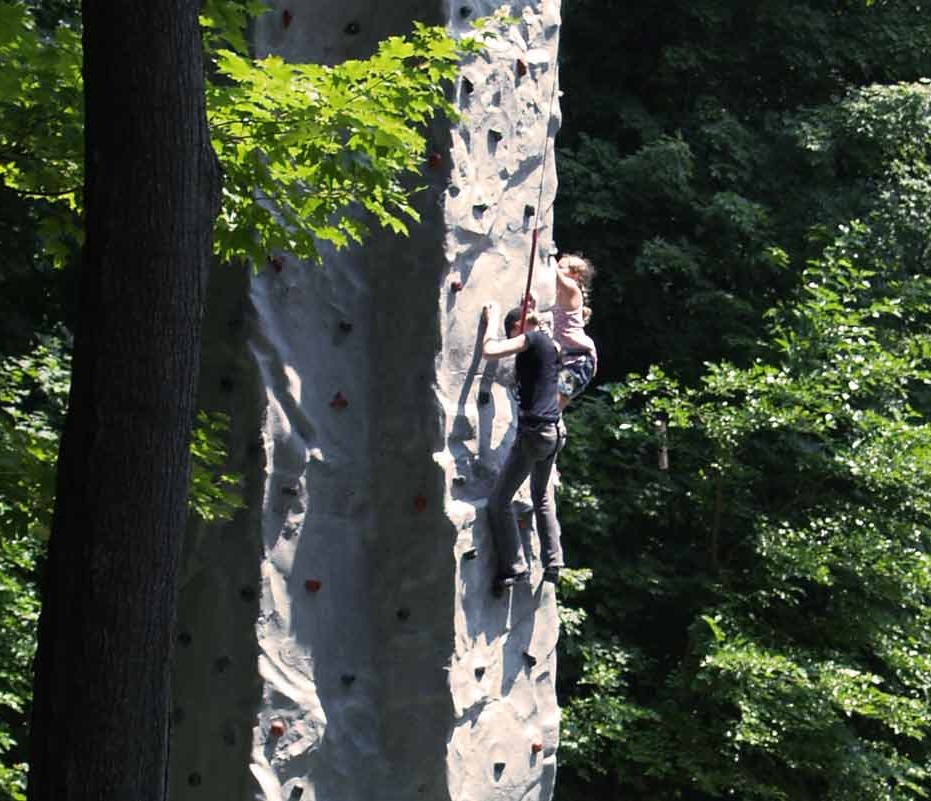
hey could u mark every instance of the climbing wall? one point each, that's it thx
(338, 640)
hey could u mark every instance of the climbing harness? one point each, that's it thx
(536, 230)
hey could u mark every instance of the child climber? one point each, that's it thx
(578, 356)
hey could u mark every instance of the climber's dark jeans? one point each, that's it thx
(533, 453)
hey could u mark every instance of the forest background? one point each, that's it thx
(753, 182)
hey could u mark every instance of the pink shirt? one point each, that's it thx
(569, 332)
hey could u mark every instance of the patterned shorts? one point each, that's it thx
(575, 376)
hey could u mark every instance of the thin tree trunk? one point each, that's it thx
(100, 719)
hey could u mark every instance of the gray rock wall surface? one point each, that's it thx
(338, 640)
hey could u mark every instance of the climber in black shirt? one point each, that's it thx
(539, 438)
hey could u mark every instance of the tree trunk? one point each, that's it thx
(100, 719)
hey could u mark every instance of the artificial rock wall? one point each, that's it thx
(338, 640)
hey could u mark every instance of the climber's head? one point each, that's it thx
(578, 268)
(512, 322)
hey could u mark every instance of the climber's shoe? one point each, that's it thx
(502, 582)
(551, 574)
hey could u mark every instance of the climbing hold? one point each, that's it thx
(222, 664)
(484, 397)
(313, 585)
(352, 28)
(455, 285)
(347, 678)
(529, 210)
(435, 160)
(193, 779)
(276, 263)
(479, 673)
(184, 638)
(536, 748)
(465, 11)
(345, 326)
(499, 769)
(420, 503)
(286, 17)
(289, 491)
(403, 613)
(522, 522)
(529, 658)
(277, 728)
(470, 554)
(247, 593)
(339, 401)
(521, 68)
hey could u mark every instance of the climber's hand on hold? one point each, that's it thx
(490, 316)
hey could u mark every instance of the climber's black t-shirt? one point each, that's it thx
(537, 369)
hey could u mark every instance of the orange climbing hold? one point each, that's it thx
(536, 748)
(420, 503)
(277, 728)
(435, 160)
(339, 401)
(313, 585)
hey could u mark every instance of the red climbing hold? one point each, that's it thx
(286, 17)
(339, 401)
(521, 522)
(313, 585)
(521, 68)
(277, 728)
(455, 285)
(435, 160)
(420, 503)
(536, 748)
(276, 263)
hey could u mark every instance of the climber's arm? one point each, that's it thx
(499, 348)
(493, 348)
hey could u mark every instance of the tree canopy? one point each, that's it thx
(752, 181)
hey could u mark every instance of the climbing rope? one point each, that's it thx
(536, 230)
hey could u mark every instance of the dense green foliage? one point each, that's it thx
(755, 622)
(302, 147)
(704, 140)
(311, 142)
(761, 612)
(33, 390)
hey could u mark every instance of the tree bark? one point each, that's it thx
(100, 717)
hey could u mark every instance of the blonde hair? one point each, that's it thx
(585, 272)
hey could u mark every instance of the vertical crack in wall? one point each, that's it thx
(338, 640)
